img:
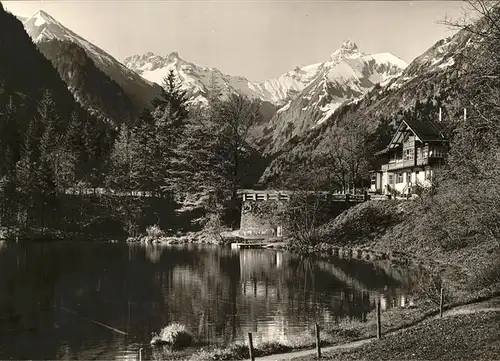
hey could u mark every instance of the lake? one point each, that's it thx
(102, 301)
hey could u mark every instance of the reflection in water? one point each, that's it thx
(219, 293)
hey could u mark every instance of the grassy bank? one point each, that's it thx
(466, 269)
(472, 337)
(419, 318)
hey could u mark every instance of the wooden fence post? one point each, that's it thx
(379, 328)
(441, 303)
(250, 347)
(318, 342)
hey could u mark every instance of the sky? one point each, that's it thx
(255, 39)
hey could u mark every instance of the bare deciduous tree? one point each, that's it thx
(232, 119)
(345, 157)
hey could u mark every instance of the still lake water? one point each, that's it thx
(49, 293)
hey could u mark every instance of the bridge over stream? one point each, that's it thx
(257, 208)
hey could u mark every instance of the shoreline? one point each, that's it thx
(396, 318)
(451, 312)
(278, 351)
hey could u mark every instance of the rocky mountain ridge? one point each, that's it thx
(42, 27)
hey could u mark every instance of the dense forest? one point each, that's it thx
(67, 170)
(90, 86)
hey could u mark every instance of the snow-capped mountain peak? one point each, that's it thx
(348, 50)
(43, 27)
(173, 55)
(41, 17)
(195, 80)
(347, 76)
(349, 46)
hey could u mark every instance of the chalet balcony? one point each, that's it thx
(424, 155)
(398, 164)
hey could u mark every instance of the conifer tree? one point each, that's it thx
(125, 177)
(9, 137)
(26, 175)
(90, 154)
(173, 95)
(73, 136)
(69, 153)
(144, 132)
(48, 162)
(125, 159)
(170, 116)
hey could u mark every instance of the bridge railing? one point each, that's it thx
(268, 195)
(107, 192)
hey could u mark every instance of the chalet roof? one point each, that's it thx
(383, 151)
(425, 130)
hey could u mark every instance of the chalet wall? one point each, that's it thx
(417, 176)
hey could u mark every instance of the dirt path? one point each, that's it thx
(492, 305)
(292, 355)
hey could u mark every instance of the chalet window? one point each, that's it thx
(391, 178)
(399, 178)
(408, 177)
(425, 152)
(408, 154)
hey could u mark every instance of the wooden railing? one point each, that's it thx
(423, 156)
(399, 164)
(277, 195)
(107, 192)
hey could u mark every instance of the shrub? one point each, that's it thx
(154, 232)
(174, 335)
(488, 276)
(236, 351)
(428, 286)
(302, 215)
(269, 348)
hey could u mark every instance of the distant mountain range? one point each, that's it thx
(306, 95)
(198, 81)
(296, 104)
